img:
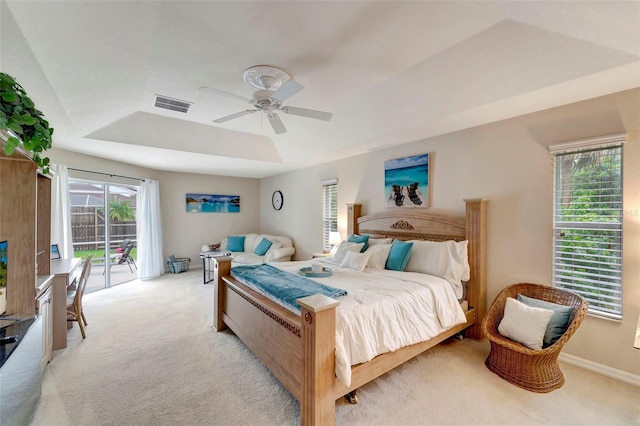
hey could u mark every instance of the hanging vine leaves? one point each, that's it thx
(19, 115)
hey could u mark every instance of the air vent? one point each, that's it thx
(172, 104)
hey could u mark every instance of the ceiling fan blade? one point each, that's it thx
(222, 92)
(236, 115)
(288, 89)
(276, 123)
(310, 113)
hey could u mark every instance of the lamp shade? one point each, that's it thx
(334, 238)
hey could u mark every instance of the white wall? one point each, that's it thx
(507, 162)
(184, 233)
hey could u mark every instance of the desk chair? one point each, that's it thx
(74, 298)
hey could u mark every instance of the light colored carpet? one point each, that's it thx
(151, 357)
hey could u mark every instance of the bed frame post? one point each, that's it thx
(353, 213)
(318, 333)
(476, 230)
(221, 268)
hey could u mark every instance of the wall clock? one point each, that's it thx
(277, 200)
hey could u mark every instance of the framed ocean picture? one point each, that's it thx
(208, 203)
(406, 181)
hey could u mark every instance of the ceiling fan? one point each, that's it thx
(274, 87)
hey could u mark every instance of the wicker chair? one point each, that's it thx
(530, 369)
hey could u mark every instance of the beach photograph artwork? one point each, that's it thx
(208, 203)
(406, 181)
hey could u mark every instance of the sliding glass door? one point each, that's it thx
(103, 223)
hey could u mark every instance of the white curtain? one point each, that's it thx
(150, 261)
(61, 211)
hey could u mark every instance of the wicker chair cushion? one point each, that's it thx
(524, 324)
(559, 321)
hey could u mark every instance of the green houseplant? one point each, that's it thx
(19, 115)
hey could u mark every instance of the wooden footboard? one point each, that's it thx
(299, 350)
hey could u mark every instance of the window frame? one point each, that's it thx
(329, 211)
(576, 242)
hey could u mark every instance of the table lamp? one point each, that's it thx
(334, 240)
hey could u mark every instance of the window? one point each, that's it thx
(587, 246)
(329, 211)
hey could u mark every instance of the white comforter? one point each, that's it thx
(385, 311)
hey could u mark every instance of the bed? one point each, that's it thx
(300, 349)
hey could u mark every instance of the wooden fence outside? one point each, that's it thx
(87, 227)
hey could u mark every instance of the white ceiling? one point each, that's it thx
(390, 72)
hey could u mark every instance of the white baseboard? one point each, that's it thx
(614, 373)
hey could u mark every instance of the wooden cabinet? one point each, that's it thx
(25, 222)
(43, 225)
(18, 227)
(44, 306)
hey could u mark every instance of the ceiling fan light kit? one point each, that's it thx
(265, 77)
(274, 87)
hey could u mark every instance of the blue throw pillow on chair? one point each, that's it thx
(399, 255)
(360, 239)
(559, 321)
(262, 248)
(235, 243)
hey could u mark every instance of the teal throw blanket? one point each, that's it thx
(282, 286)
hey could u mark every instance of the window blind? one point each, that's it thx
(587, 246)
(329, 211)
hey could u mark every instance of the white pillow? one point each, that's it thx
(374, 241)
(378, 254)
(464, 258)
(343, 248)
(444, 259)
(524, 324)
(354, 260)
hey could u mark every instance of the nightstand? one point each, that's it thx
(320, 254)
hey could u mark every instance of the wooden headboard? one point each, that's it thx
(416, 224)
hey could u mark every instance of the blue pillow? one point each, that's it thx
(559, 320)
(235, 243)
(360, 239)
(262, 248)
(399, 255)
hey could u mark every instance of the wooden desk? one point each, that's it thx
(65, 272)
